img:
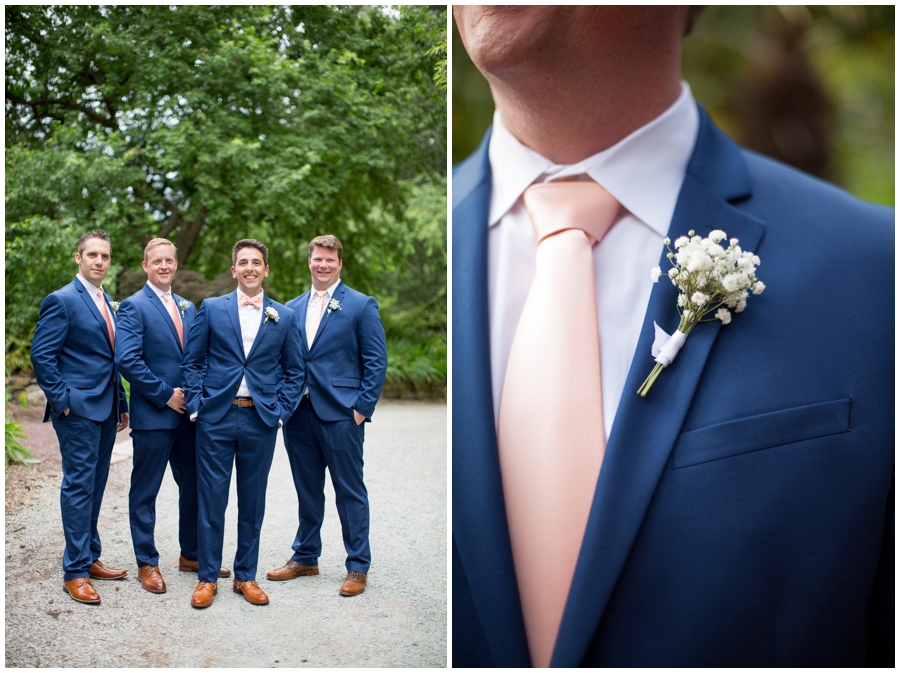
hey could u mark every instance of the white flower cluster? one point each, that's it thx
(709, 277)
(272, 314)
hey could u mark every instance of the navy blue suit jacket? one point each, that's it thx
(149, 354)
(214, 362)
(346, 365)
(743, 515)
(72, 356)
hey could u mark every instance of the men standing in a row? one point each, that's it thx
(73, 358)
(153, 325)
(343, 343)
(242, 374)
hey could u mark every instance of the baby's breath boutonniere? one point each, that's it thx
(115, 306)
(270, 313)
(184, 305)
(709, 278)
(333, 305)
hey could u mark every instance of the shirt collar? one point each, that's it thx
(261, 294)
(159, 293)
(330, 290)
(88, 284)
(643, 171)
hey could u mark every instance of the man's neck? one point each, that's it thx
(89, 283)
(243, 291)
(161, 288)
(567, 121)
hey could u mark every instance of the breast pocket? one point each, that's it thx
(764, 431)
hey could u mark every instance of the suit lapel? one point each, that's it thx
(338, 296)
(645, 429)
(88, 299)
(480, 527)
(157, 303)
(299, 306)
(231, 308)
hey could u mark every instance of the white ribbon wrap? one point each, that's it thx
(666, 347)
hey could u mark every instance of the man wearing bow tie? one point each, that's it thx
(342, 340)
(242, 375)
(73, 354)
(153, 325)
(741, 514)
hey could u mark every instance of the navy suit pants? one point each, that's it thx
(86, 447)
(153, 449)
(312, 445)
(240, 440)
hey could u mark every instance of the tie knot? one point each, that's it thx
(166, 297)
(255, 302)
(557, 206)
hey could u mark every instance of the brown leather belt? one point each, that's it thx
(243, 402)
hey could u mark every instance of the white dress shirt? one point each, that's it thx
(250, 318)
(644, 172)
(99, 302)
(312, 308)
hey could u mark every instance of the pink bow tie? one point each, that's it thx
(255, 302)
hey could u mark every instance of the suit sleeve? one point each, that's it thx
(129, 356)
(292, 369)
(881, 605)
(193, 366)
(373, 354)
(49, 338)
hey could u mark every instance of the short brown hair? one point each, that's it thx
(158, 241)
(102, 235)
(249, 243)
(327, 241)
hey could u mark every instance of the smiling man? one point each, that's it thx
(153, 324)
(242, 377)
(73, 358)
(343, 344)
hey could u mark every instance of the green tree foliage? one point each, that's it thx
(15, 452)
(210, 124)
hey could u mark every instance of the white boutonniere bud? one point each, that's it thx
(115, 306)
(710, 279)
(333, 305)
(184, 305)
(271, 313)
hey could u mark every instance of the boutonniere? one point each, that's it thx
(270, 313)
(709, 278)
(184, 305)
(333, 305)
(115, 306)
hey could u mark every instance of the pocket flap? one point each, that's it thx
(763, 431)
(213, 381)
(345, 382)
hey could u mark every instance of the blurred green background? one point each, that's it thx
(810, 86)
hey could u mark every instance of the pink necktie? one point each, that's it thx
(255, 302)
(173, 313)
(109, 327)
(550, 432)
(317, 317)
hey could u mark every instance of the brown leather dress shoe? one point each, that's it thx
(103, 572)
(290, 570)
(186, 566)
(203, 594)
(251, 592)
(81, 590)
(354, 584)
(151, 579)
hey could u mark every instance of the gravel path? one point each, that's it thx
(400, 620)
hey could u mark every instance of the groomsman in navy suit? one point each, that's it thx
(743, 513)
(153, 324)
(242, 375)
(342, 341)
(73, 358)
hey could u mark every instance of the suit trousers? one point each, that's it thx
(312, 445)
(242, 440)
(153, 449)
(86, 447)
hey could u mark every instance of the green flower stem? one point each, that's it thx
(645, 387)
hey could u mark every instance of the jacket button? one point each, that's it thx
(245, 365)
(309, 359)
(237, 386)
